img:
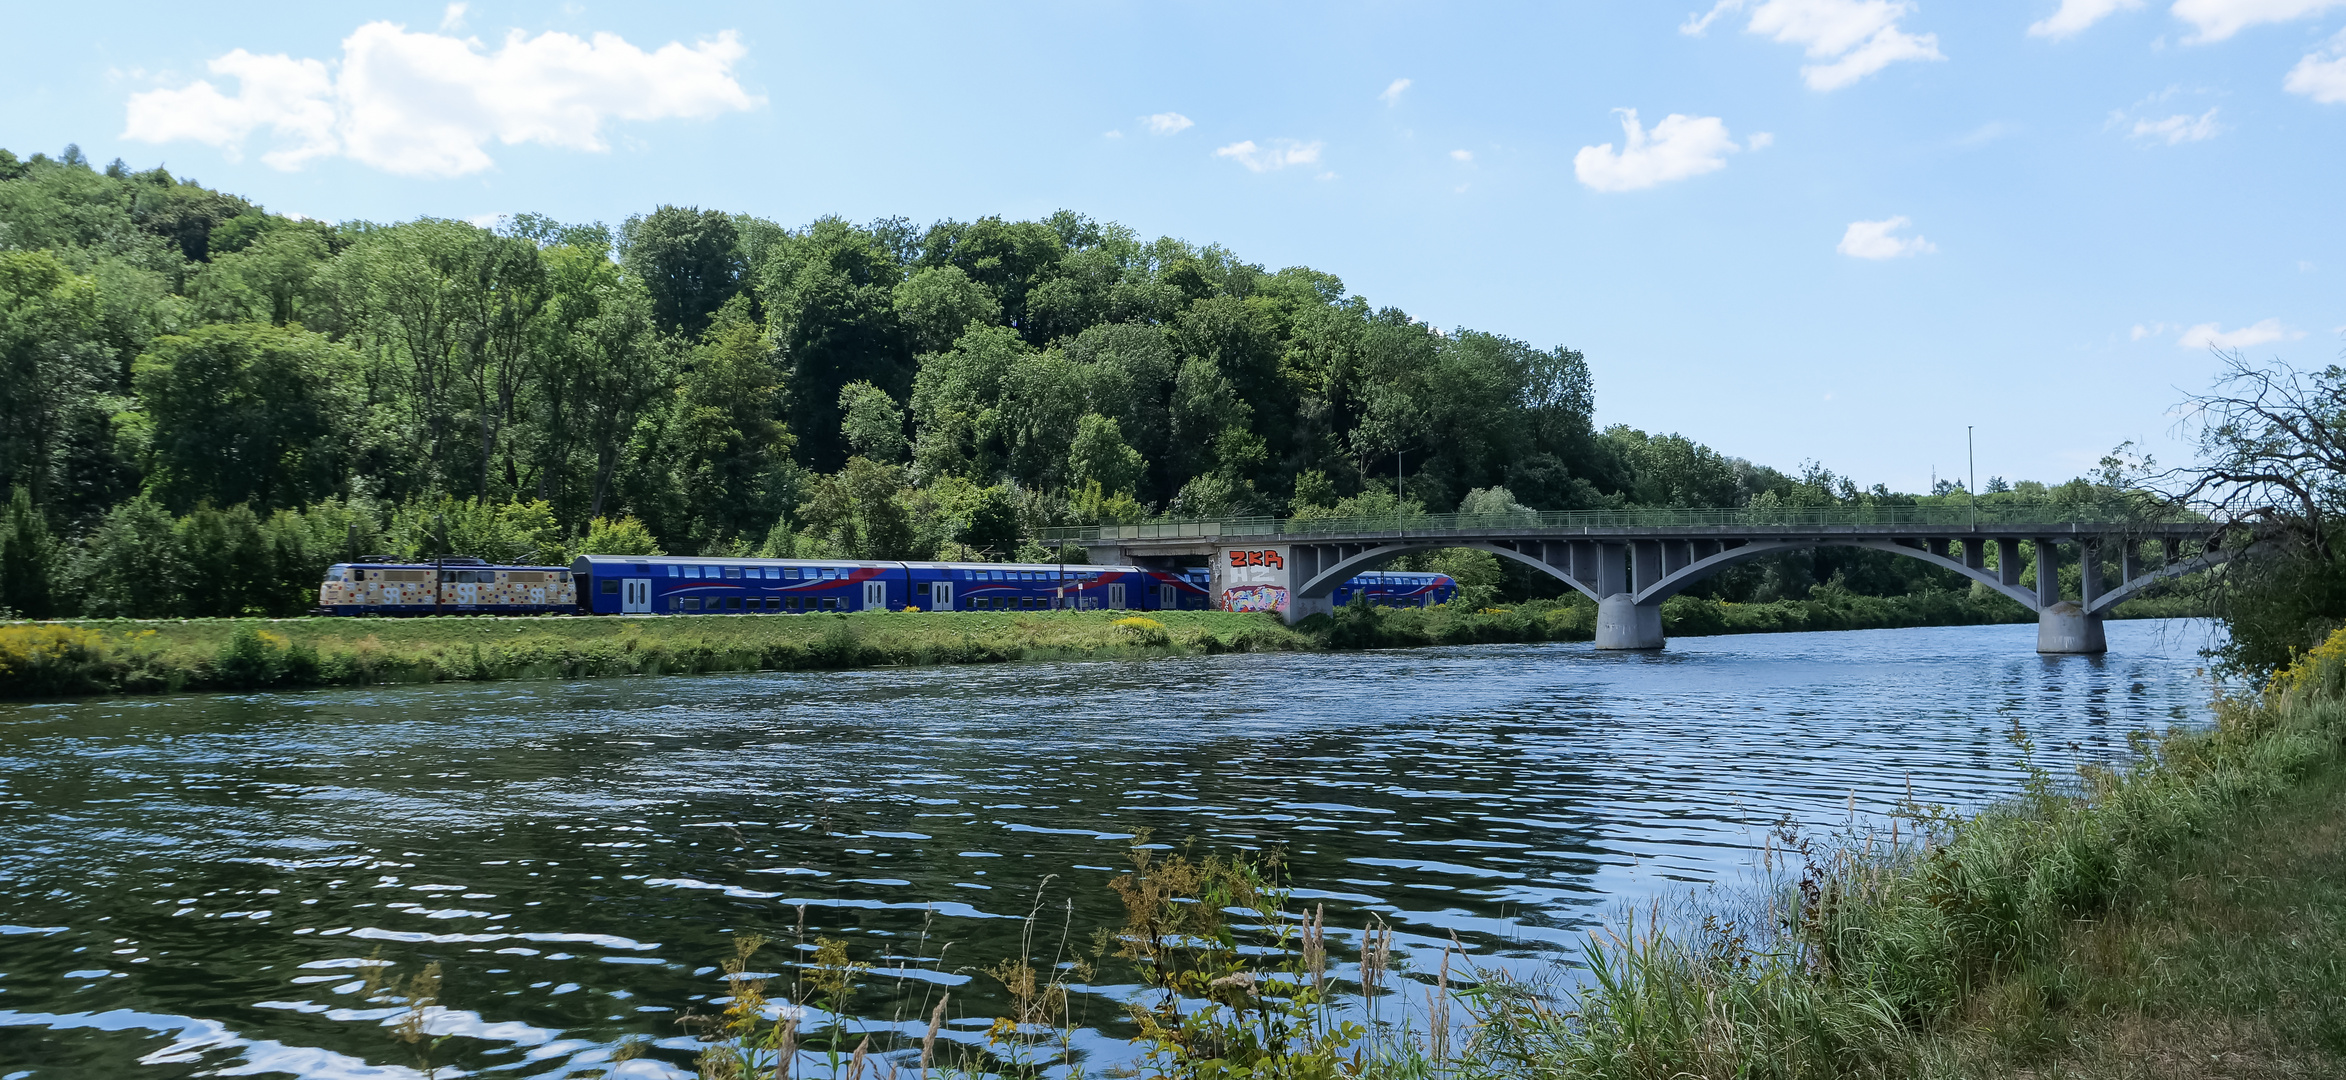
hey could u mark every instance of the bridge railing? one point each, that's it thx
(1956, 517)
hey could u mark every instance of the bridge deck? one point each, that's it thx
(1884, 523)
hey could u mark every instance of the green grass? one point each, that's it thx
(126, 656)
(2184, 916)
(163, 655)
(2231, 961)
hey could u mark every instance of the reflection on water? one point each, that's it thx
(193, 883)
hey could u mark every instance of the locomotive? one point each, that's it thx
(712, 585)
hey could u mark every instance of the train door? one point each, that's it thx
(875, 596)
(635, 595)
(941, 596)
(1168, 598)
(1116, 596)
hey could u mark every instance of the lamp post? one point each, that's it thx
(1971, 465)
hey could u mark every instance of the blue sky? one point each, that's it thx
(1852, 227)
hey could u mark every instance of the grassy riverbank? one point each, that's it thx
(127, 656)
(163, 655)
(2185, 916)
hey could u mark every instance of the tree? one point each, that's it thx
(28, 559)
(52, 366)
(403, 291)
(500, 329)
(873, 424)
(828, 292)
(938, 303)
(1098, 455)
(689, 262)
(730, 452)
(245, 412)
(626, 536)
(130, 566)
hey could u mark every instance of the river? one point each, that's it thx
(190, 885)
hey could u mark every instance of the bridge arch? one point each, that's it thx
(1323, 580)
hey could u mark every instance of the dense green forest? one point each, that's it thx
(202, 403)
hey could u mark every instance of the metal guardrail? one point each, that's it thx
(1956, 516)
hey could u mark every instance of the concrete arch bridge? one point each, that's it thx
(1631, 561)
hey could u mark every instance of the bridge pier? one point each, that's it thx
(1623, 623)
(2067, 629)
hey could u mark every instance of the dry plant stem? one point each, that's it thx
(928, 1043)
(1438, 1014)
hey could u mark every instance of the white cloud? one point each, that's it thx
(1760, 140)
(1392, 94)
(1112, 133)
(292, 98)
(1851, 39)
(2209, 335)
(1874, 240)
(2076, 15)
(453, 17)
(427, 104)
(1696, 25)
(1465, 156)
(2179, 129)
(2321, 75)
(1678, 147)
(1167, 123)
(2215, 20)
(1279, 155)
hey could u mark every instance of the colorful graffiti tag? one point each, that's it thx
(1253, 580)
(1255, 598)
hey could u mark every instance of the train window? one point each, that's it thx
(732, 571)
(773, 603)
(675, 603)
(610, 587)
(791, 603)
(830, 603)
(733, 603)
(771, 573)
(692, 603)
(692, 571)
(830, 573)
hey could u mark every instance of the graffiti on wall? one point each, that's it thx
(1253, 580)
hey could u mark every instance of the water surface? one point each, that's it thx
(189, 885)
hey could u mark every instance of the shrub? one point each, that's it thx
(52, 659)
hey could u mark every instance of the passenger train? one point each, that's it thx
(710, 585)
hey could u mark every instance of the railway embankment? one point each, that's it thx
(169, 655)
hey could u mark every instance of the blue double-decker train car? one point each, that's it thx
(1386, 588)
(668, 584)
